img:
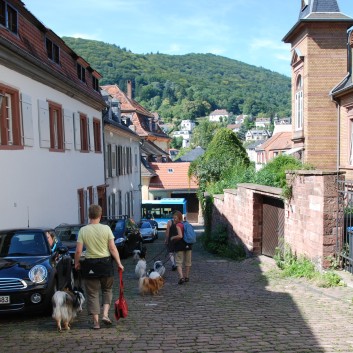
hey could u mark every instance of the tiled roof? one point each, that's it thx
(324, 6)
(219, 112)
(146, 169)
(254, 144)
(172, 176)
(319, 10)
(234, 126)
(127, 104)
(119, 126)
(280, 141)
(191, 155)
(139, 115)
(29, 45)
(343, 86)
(149, 148)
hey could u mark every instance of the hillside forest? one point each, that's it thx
(188, 86)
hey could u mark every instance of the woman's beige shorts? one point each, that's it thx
(183, 256)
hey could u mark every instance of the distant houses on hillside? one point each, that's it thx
(218, 115)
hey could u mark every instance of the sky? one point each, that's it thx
(250, 31)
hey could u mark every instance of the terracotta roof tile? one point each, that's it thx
(139, 115)
(29, 44)
(279, 141)
(172, 176)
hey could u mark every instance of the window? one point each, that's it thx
(52, 51)
(299, 104)
(112, 205)
(351, 143)
(120, 203)
(304, 4)
(56, 127)
(84, 132)
(10, 123)
(95, 84)
(109, 161)
(81, 72)
(8, 16)
(81, 205)
(97, 135)
(119, 157)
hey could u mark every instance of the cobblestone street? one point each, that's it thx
(226, 307)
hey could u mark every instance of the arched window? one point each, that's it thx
(299, 104)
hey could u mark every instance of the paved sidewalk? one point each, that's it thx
(227, 307)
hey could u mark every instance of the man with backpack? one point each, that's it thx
(182, 248)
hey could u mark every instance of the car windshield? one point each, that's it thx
(23, 244)
(145, 225)
(67, 233)
(120, 224)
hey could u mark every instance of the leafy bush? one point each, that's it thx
(217, 243)
(301, 267)
(274, 172)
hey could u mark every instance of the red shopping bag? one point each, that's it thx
(120, 306)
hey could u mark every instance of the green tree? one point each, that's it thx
(203, 133)
(223, 153)
(177, 142)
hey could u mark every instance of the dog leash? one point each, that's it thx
(155, 257)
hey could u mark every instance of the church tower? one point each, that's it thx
(319, 61)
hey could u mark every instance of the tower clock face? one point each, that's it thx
(305, 3)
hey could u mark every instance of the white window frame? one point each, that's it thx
(299, 106)
(351, 142)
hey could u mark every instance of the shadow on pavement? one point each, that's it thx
(227, 306)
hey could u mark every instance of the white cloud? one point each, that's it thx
(283, 57)
(84, 36)
(260, 43)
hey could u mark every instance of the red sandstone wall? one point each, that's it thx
(310, 216)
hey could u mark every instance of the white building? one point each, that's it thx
(187, 125)
(51, 156)
(123, 164)
(219, 115)
(185, 134)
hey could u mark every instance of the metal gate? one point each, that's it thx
(273, 225)
(344, 226)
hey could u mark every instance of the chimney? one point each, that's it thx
(129, 89)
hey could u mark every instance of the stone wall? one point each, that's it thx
(310, 214)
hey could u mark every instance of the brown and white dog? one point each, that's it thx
(149, 285)
(66, 305)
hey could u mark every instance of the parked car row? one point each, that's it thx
(35, 262)
(126, 233)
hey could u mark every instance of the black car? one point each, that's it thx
(127, 235)
(32, 269)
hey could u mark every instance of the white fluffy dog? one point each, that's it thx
(66, 305)
(159, 267)
(140, 269)
(154, 275)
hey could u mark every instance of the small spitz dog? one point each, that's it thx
(149, 285)
(66, 305)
